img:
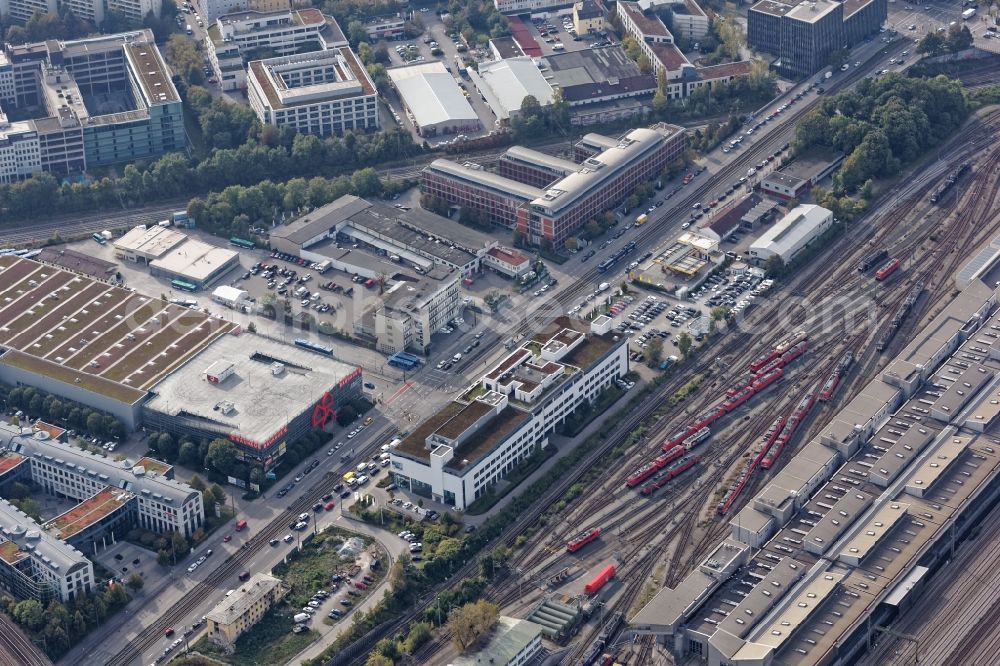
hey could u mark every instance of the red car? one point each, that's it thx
(329, 506)
(227, 538)
(169, 632)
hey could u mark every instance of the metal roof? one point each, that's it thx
(505, 84)
(432, 95)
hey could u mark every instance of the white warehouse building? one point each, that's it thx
(792, 233)
(433, 100)
(487, 431)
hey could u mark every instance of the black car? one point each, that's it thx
(345, 494)
(369, 385)
(327, 497)
(338, 487)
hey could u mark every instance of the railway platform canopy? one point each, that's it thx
(849, 522)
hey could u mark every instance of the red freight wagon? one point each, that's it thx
(600, 580)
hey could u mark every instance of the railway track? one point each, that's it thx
(16, 649)
(221, 577)
(958, 253)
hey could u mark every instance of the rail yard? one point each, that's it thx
(766, 389)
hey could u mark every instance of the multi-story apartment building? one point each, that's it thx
(234, 39)
(323, 93)
(95, 11)
(498, 422)
(35, 564)
(242, 609)
(803, 34)
(20, 150)
(106, 100)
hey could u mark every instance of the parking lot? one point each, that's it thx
(555, 34)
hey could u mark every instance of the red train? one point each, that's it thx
(793, 353)
(888, 269)
(600, 580)
(735, 401)
(579, 542)
(762, 381)
(709, 417)
(762, 361)
(677, 438)
(654, 466)
(829, 387)
(776, 362)
(786, 435)
(675, 470)
(769, 438)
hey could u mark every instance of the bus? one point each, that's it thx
(242, 242)
(641, 220)
(403, 361)
(99, 238)
(183, 285)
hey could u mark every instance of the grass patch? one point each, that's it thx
(193, 130)
(310, 568)
(270, 642)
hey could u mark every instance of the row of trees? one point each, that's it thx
(62, 412)
(883, 124)
(57, 626)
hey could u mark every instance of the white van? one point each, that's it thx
(362, 467)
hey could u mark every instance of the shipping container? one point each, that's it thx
(600, 580)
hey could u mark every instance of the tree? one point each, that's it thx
(959, 38)
(31, 507)
(375, 659)
(645, 66)
(221, 455)
(166, 446)
(472, 623)
(188, 454)
(420, 633)
(346, 415)
(684, 343)
(655, 350)
(179, 544)
(932, 44)
(163, 558)
(197, 483)
(135, 582)
(218, 494)
(30, 614)
(775, 265)
(95, 423)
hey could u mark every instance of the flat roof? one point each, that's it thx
(149, 68)
(671, 57)
(151, 242)
(505, 84)
(813, 10)
(507, 47)
(384, 221)
(479, 176)
(431, 94)
(509, 639)
(88, 512)
(595, 73)
(252, 403)
(100, 337)
(782, 179)
(647, 25)
(321, 221)
(352, 79)
(9, 460)
(495, 431)
(194, 260)
(935, 466)
(78, 262)
(724, 71)
(773, 7)
(963, 388)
